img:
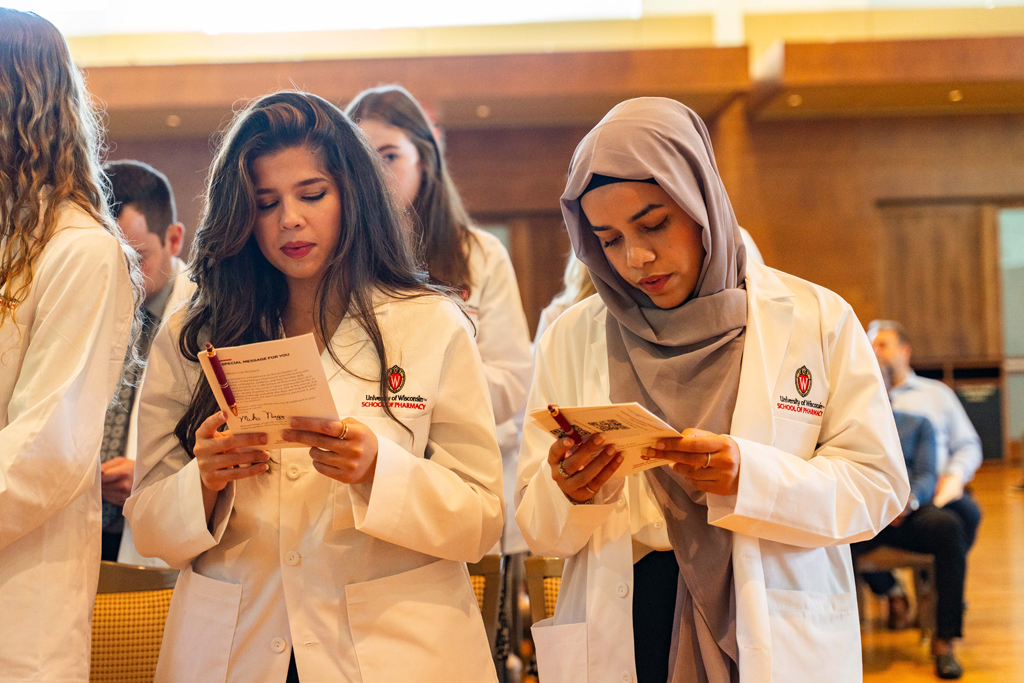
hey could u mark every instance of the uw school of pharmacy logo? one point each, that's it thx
(396, 378)
(803, 381)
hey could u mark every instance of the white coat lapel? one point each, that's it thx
(769, 327)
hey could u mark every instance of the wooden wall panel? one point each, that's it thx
(944, 295)
(809, 191)
(540, 246)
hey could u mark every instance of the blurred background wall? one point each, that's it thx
(874, 147)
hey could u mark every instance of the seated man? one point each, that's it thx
(958, 456)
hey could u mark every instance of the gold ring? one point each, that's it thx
(587, 487)
(708, 463)
(344, 430)
(561, 470)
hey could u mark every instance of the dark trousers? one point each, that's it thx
(655, 580)
(111, 545)
(293, 672)
(933, 531)
(969, 513)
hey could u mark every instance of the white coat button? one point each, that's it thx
(658, 525)
(627, 677)
(278, 645)
(621, 504)
(294, 472)
(291, 558)
(622, 589)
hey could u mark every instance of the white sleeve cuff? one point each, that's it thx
(377, 505)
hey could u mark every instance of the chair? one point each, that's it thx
(486, 576)
(887, 559)
(128, 622)
(543, 579)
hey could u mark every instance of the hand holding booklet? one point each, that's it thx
(270, 383)
(630, 427)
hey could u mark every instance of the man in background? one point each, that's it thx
(958, 457)
(143, 205)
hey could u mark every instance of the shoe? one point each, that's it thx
(899, 612)
(947, 667)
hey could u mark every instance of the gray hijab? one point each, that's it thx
(683, 364)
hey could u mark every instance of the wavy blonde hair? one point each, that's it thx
(50, 141)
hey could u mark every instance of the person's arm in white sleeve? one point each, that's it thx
(165, 509)
(964, 443)
(855, 483)
(551, 524)
(502, 334)
(49, 448)
(448, 504)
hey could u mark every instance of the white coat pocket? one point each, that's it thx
(200, 628)
(421, 625)
(816, 634)
(797, 438)
(561, 651)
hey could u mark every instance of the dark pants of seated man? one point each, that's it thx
(969, 513)
(933, 531)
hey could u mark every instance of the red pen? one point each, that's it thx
(564, 425)
(218, 371)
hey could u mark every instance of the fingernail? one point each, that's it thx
(224, 415)
(598, 440)
(610, 450)
(618, 459)
(567, 442)
(660, 445)
(263, 438)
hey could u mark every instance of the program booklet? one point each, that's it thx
(630, 427)
(272, 382)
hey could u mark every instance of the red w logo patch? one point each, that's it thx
(803, 381)
(396, 379)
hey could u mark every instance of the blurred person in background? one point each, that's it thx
(68, 289)
(142, 202)
(958, 458)
(457, 255)
(577, 286)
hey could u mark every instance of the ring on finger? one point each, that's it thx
(561, 470)
(708, 463)
(344, 430)
(587, 487)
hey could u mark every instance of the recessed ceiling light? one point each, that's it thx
(173, 121)
(483, 111)
(794, 100)
(955, 95)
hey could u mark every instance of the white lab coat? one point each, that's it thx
(808, 486)
(366, 582)
(181, 292)
(60, 361)
(503, 338)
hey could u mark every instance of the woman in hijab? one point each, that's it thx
(732, 563)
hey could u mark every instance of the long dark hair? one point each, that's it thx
(440, 221)
(240, 296)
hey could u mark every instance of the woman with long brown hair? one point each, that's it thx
(458, 255)
(66, 309)
(344, 560)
